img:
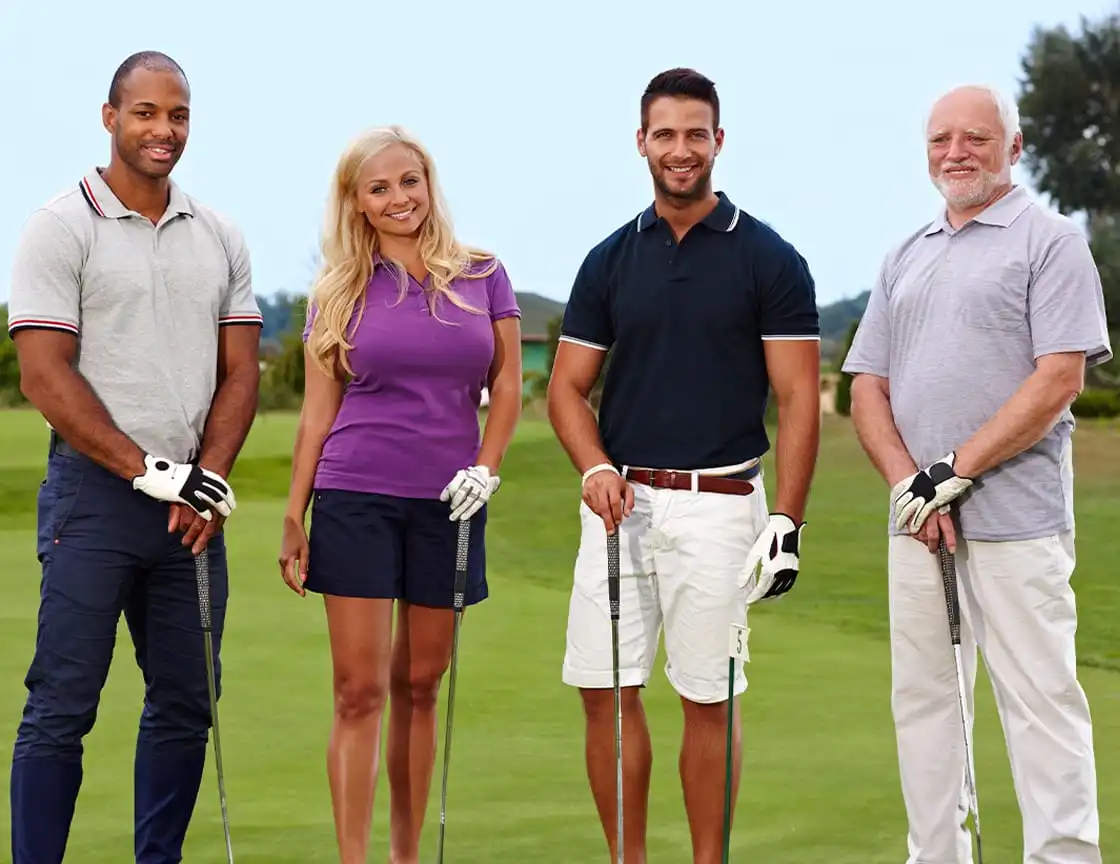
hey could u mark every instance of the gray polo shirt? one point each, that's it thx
(956, 322)
(145, 301)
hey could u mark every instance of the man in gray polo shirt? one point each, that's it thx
(973, 345)
(125, 297)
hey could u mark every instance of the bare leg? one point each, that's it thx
(360, 639)
(421, 655)
(637, 762)
(703, 767)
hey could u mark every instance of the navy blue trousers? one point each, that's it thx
(105, 550)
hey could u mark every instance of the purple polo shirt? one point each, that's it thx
(409, 418)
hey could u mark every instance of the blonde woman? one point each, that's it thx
(406, 326)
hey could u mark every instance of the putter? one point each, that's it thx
(949, 578)
(736, 650)
(459, 599)
(202, 574)
(613, 593)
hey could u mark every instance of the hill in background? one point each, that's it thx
(537, 310)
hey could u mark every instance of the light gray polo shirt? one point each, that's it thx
(145, 301)
(956, 322)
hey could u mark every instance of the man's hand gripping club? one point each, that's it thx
(179, 483)
(608, 494)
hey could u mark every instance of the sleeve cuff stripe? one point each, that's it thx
(248, 318)
(802, 338)
(15, 324)
(584, 343)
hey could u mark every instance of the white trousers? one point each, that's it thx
(681, 554)
(1017, 606)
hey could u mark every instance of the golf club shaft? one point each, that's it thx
(459, 600)
(614, 592)
(202, 575)
(952, 602)
(728, 769)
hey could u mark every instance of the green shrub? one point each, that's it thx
(1097, 402)
(844, 385)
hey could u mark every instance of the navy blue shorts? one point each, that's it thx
(381, 546)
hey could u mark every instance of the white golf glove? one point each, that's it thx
(915, 497)
(468, 490)
(774, 560)
(180, 483)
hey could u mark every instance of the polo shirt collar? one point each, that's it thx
(1001, 214)
(724, 216)
(104, 203)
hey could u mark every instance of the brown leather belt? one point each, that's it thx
(738, 484)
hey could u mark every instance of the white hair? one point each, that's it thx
(1007, 108)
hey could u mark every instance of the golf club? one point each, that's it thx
(736, 650)
(949, 579)
(613, 593)
(459, 599)
(202, 574)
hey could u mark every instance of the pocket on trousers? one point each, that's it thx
(57, 497)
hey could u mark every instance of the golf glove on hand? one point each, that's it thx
(920, 494)
(468, 490)
(774, 560)
(180, 483)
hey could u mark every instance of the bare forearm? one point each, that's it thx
(68, 403)
(576, 428)
(799, 424)
(501, 421)
(879, 437)
(305, 459)
(230, 419)
(1019, 424)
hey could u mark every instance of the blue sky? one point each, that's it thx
(531, 116)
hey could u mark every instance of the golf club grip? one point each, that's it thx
(461, 562)
(613, 574)
(952, 602)
(202, 575)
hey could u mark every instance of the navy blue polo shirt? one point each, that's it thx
(686, 383)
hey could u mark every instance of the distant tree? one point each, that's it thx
(10, 394)
(844, 385)
(1069, 107)
(282, 380)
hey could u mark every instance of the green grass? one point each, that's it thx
(820, 778)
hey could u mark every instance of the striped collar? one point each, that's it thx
(723, 217)
(107, 205)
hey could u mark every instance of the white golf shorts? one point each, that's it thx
(681, 555)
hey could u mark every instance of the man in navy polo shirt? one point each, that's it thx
(704, 309)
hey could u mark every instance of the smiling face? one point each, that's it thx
(151, 125)
(680, 144)
(968, 151)
(392, 191)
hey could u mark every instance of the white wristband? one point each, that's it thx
(595, 469)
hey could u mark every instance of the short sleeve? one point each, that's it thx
(1066, 306)
(309, 320)
(788, 300)
(587, 316)
(46, 285)
(871, 348)
(240, 304)
(500, 293)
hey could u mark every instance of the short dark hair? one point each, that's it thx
(153, 61)
(684, 82)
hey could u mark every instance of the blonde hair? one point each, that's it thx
(350, 244)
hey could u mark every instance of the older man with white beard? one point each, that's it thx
(974, 343)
